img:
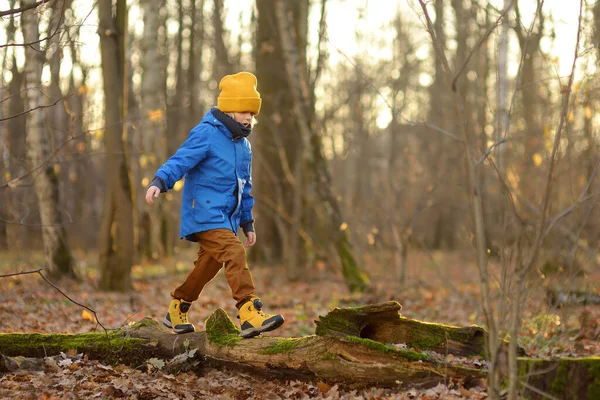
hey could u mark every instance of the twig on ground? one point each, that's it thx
(39, 272)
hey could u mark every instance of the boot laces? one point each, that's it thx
(258, 306)
(183, 314)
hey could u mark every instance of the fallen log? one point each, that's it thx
(383, 323)
(352, 347)
(566, 378)
(332, 355)
(567, 298)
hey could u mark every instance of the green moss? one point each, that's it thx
(146, 322)
(343, 320)
(284, 346)
(426, 342)
(560, 381)
(112, 347)
(433, 336)
(329, 357)
(336, 323)
(220, 330)
(567, 370)
(594, 371)
(374, 345)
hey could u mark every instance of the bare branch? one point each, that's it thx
(13, 182)
(33, 109)
(478, 45)
(39, 272)
(563, 116)
(23, 8)
(582, 199)
(320, 55)
(42, 39)
(20, 273)
(489, 151)
(387, 102)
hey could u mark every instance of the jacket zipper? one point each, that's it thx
(236, 181)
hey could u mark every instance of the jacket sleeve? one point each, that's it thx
(246, 220)
(191, 152)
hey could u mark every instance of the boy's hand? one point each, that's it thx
(152, 193)
(250, 239)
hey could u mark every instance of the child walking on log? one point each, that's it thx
(216, 160)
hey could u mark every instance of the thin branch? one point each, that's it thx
(47, 38)
(32, 109)
(555, 146)
(538, 391)
(13, 182)
(581, 199)
(23, 8)
(519, 79)
(478, 45)
(21, 273)
(489, 151)
(320, 55)
(387, 102)
(39, 272)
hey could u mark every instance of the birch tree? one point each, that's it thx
(58, 258)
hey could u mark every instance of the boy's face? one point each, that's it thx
(244, 118)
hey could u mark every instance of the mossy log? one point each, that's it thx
(566, 378)
(132, 344)
(382, 323)
(349, 360)
(352, 347)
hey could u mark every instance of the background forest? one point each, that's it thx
(442, 153)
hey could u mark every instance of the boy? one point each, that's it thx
(216, 160)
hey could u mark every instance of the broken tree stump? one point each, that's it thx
(383, 323)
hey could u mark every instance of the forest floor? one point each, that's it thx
(440, 287)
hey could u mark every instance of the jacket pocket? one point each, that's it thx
(207, 211)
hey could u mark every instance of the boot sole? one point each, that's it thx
(169, 325)
(252, 332)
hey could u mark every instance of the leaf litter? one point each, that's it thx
(29, 305)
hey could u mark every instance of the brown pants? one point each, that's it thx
(218, 247)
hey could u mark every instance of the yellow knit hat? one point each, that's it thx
(238, 93)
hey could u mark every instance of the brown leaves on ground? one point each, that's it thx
(440, 287)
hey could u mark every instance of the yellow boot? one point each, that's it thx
(176, 318)
(254, 321)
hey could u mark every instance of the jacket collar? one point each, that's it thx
(209, 118)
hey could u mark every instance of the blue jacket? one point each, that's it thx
(217, 169)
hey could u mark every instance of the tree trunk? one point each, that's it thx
(222, 65)
(502, 119)
(310, 140)
(153, 130)
(276, 146)
(58, 258)
(195, 65)
(116, 229)
(13, 141)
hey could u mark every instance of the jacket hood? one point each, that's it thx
(210, 119)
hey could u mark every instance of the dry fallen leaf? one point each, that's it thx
(323, 387)
(86, 315)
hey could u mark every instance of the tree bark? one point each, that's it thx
(58, 258)
(352, 347)
(346, 359)
(116, 229)
(314, 161)
(153, 130)
(222, 65)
